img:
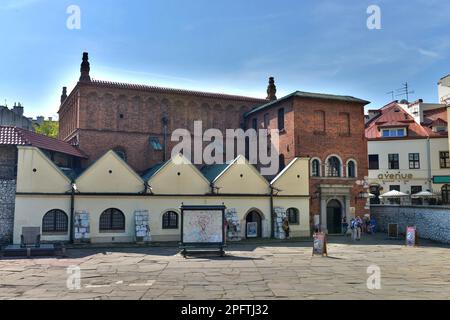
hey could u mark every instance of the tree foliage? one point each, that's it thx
(48, 128)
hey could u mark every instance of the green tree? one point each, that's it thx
(48, 128)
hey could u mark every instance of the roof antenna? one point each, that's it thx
(404, 91)
(391, 93)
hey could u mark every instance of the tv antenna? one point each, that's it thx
(391, 93)
(404, 91)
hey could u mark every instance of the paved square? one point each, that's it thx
(265, 271)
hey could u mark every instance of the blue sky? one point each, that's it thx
(230, 46)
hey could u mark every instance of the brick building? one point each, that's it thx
(329, 129)
(136, 121)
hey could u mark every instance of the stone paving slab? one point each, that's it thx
(250, 271)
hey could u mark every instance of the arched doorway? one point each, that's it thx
(253, 225)
(334, 217)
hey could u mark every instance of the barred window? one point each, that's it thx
(315, 168)
(334, 167)
(293, 216)
(351, 169)
(170, 220)
(112, 220)
(55, 221)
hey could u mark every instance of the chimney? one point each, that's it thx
(85, 68)
(64, 95)
(18, 109)
(271, 90)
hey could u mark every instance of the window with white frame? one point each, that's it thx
(395, 132)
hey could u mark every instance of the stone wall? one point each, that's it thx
(7, 192)
(432, 222)
(7, 198)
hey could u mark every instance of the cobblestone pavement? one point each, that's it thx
(250, 271)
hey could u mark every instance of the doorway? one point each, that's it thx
(334, 217)
(253, 225)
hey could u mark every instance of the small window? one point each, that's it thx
(334, 167)
(281, 119)
(374, 163)
(394, 163)
(255, 123)
(394, 133)
(444, 159)
(315, 168)
(282, 163)
(55, 221)
(414, 161)
(293, 216)
(112, 220)
(351, 169)
(266, 121)
(170, 220)
(156, 145)
(121, 153)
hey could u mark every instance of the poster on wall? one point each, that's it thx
(320, 244)
(202, 227)
(411, 236)
(252, 229)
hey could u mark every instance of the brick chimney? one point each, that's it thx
(85, 68)
(64, 95)
(18, 109)
(271, 90)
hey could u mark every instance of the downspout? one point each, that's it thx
(430, 185)
(165, 122)
(272, 213)
(72, 211)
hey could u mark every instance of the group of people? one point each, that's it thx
(358, 226)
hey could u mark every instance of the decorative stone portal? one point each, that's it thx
(142, 226)
(334, 205)
(234, 226)
(82, 227)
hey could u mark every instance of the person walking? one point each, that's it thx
(286, 227)
(344, 225)
(358, 228)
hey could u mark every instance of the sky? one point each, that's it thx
(229, 46)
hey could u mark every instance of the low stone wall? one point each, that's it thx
(7, 199)
(432, 222)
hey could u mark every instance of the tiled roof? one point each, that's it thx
(211, 172)
(311, 95)
(152, 171)
(129, 86)
(21, 137)
(392, 115)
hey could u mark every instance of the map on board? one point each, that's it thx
(204, 226)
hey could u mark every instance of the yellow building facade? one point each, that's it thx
(110, 203)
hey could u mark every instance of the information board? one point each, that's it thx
(320, 244)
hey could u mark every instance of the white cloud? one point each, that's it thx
(428, 53)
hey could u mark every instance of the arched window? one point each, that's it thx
(351, 169)
(282, 163)
(334, 167)
(55, 221)
(121, 153)
(281, 119)
(293, 216)
(315, 168)
(112, 220)
(170, 220)
(446, 194)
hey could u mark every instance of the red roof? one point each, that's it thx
(392, 115)
(21, 137)
(118, 85)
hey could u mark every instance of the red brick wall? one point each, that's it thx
(127, 118)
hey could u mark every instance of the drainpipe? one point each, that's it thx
(165, 122)
(72, 211)
(430, 185)
(272, 214)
